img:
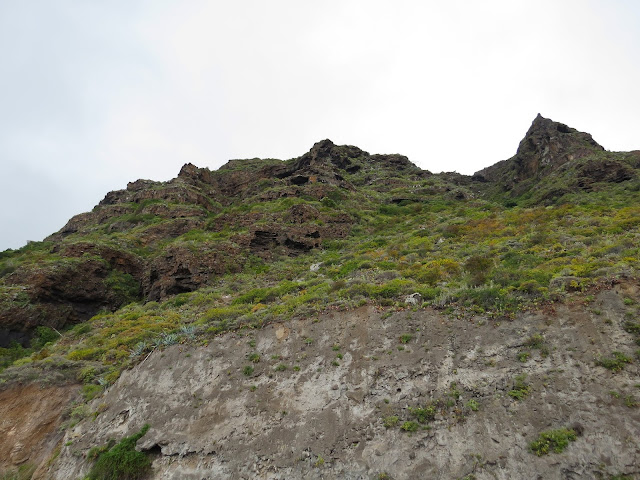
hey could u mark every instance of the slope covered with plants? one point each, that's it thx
(260, 241)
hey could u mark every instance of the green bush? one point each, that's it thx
(553, 440)
(390, 421)
(520, 388)
(410, 426)
(126, 288)
(89, 392)
(43, 336)
(122, 461)
(13, 353)
(478, 266)
(615, 363)
(424, 415)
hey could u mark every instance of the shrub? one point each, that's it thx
(12, 354)
(473, 405)
(390, 421)
(410, 426)
(478, 267)
(254, 358)
(424, 415)
(556, 440)
(632, 327)
(615, 363)
(405, 338)
(43, 336)
(124, 285)
(85, 354)
(520, 388)
(122, 461)
(89, 392)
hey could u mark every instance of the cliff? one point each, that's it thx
(337, 315)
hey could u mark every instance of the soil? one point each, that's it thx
(30, 417)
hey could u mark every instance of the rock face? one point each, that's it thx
(31, 418)
(153, 213)
(547, 146)
(70, 290)
(332, 399)
(353, 317)
(152, 220)
(550, 144)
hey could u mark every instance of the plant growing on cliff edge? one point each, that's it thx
(556, 440)
(410, 426)
(390, 421)
(615, 363)
(520, 388)
(122, 461)
(424, 415)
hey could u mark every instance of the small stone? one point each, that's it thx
(315, 267)
(413, 299)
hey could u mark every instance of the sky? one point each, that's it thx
(96, 94)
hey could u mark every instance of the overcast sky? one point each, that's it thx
(95, 94)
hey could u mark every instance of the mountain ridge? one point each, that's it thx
(371, 319)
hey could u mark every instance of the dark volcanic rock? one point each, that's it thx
(603, 170)
(67, 291)
(180, 269)
(547, 146)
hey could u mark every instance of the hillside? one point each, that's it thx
(336, 315)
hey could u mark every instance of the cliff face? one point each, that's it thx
(358, 394)
(336, 315)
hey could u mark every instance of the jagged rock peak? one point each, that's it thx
(325, 151)
(546, 146)
(548, 138)
(188, 170)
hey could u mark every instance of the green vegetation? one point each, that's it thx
(520, 388)
(120, 461)
(464, 246)
(473, 405)
(615, 362)
(390, 421)
(23, 472)
(410, 426)
(254, 358)
(424, 415)
(552, 440)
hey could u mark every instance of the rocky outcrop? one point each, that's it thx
(31, 417)
(603, 170)
(180, 269)
(547, 146)
(86, 279)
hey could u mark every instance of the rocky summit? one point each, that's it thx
(340, 315)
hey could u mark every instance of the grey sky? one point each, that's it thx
(96, 94)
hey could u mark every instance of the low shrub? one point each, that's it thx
(615, 363)
(552, 440)
(121, 461)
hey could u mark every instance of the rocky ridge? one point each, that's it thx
(337, 315)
